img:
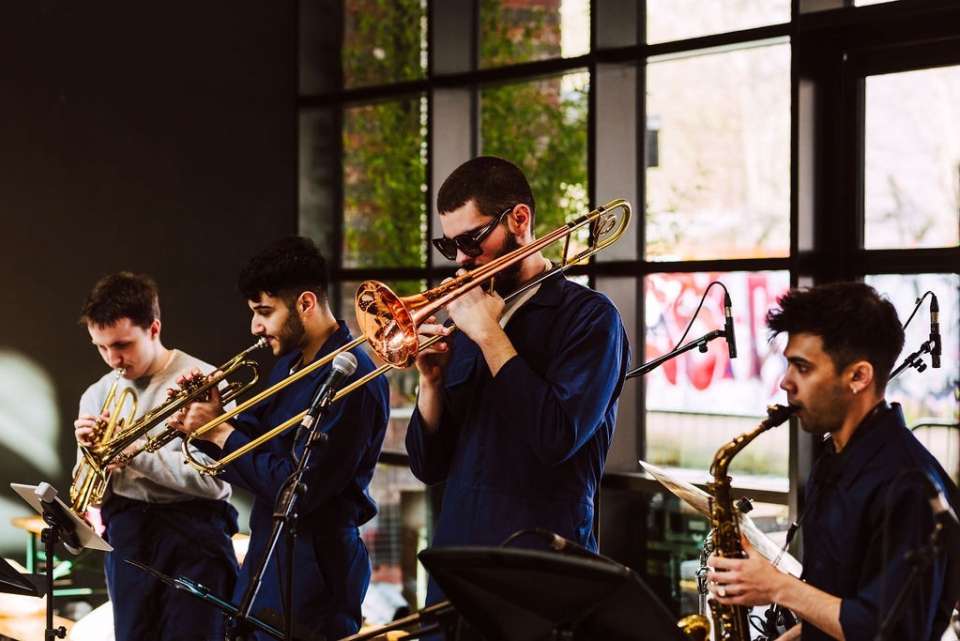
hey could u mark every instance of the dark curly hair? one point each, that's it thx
(122, 295)
(494, 183)
(285, 269)
(853, 321)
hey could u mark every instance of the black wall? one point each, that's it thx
(154, 137)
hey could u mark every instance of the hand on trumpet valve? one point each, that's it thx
(88, 428)
(198, 413)
(187, 383)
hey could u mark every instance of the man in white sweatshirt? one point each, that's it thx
(157, 510)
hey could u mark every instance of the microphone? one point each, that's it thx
(728, 332)
(935, 343)
(565, 546)
(344, 365)
(57, 517)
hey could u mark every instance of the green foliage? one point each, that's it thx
(531, 125)
(384, 179)
(511, 35)
(382, 41)
(540, 125)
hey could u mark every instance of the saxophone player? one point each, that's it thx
(866, 502)
(157, 510)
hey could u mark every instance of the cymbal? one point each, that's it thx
(700, 501)
(33, 523)
(30, 627)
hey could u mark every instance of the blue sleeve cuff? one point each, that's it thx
(856, 620)
(513, 379)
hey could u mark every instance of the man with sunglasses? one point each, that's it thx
(516, 410)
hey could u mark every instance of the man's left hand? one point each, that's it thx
(477, 313)
(197, 414)
(749, 581)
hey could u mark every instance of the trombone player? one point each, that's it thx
(286, 290)
(516, 411)
(156, 510)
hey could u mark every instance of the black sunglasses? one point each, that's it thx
(469, 241)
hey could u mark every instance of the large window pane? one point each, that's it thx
(721, 184)
(393, 538)
(515, 31)
(679, 19)
(403, 382)
(384, 41)
(542, 127)
(697, 402)
(912, 175)
(384, 184)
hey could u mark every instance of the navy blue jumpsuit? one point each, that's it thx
(526, 449)
(332, 567)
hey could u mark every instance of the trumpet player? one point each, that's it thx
(156, 510)
(286, 291)
(515, 411)
(867, 501)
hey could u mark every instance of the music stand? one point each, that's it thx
(62, 526)
(513, 594)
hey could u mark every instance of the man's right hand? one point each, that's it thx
(86, 427)
(432, 361)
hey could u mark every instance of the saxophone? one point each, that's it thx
(730, 622)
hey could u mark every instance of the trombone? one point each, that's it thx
(112, 440)
(389, 322)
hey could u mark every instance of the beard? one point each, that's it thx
(827, 414)
(507, 281)
(291, 333)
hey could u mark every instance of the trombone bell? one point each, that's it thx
(385, 319)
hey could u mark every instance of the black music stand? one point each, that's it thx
(527, 595)
(63, 526)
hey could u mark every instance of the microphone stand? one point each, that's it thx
(698, 343)
(57, 529)
(914, 360)
(284, 517)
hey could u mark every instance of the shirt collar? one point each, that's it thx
(340, 336)
(550, 293)
(872, 433)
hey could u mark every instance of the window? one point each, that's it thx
(543, 124)
(679, 19)
(384, 179)
(707, 397)
(724, 124)
(720, 188)
(912, 175)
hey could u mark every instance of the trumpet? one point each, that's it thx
(111, 447)
(90, 480)
(389, 322)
